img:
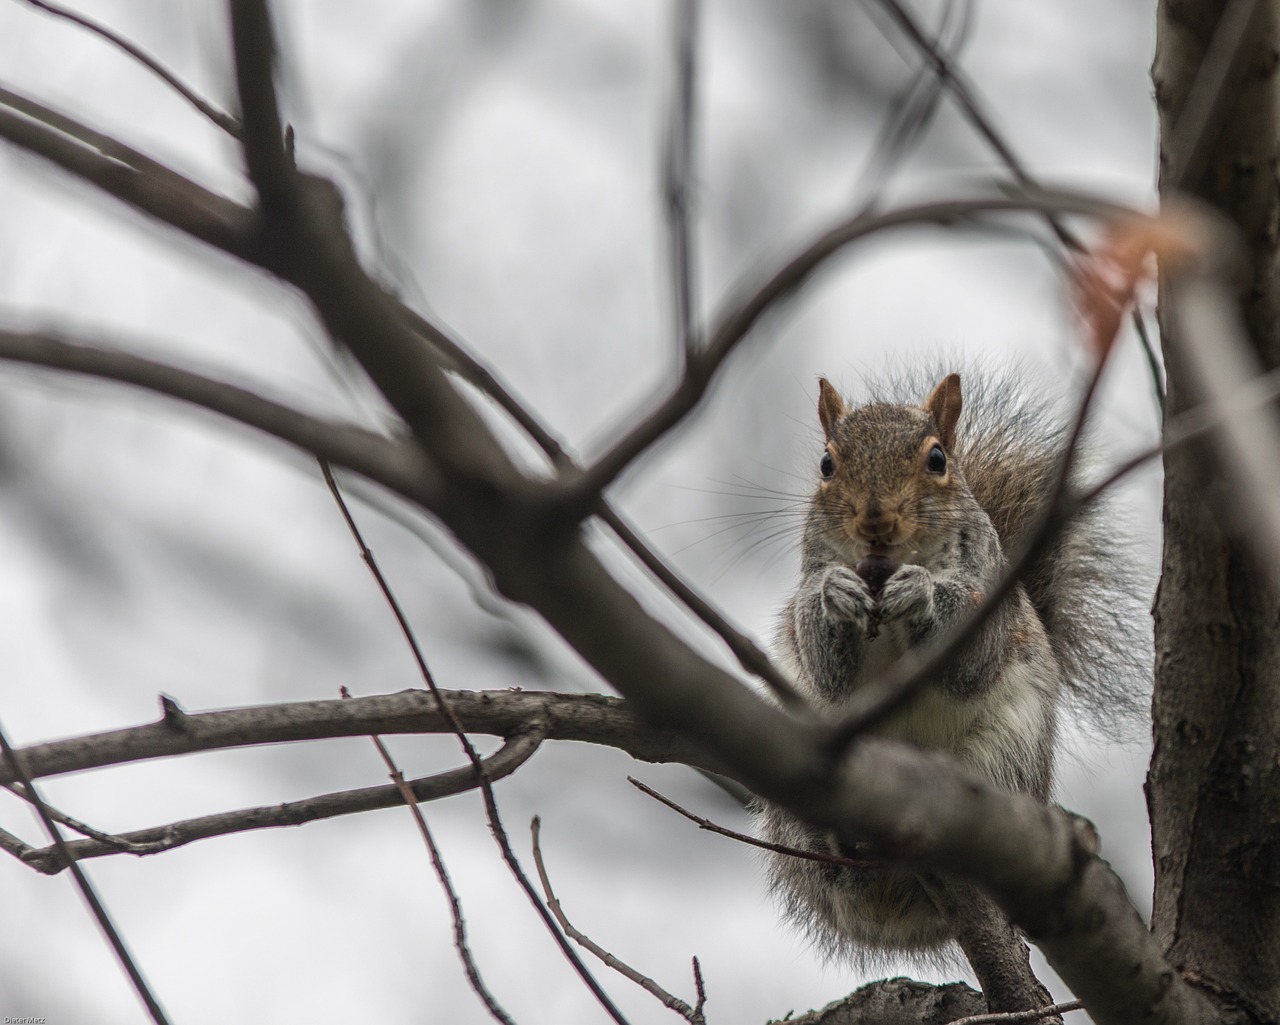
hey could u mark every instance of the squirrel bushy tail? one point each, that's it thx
(1085, 587)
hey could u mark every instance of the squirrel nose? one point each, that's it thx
(876, 525)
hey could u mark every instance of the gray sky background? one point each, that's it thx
(501, 162)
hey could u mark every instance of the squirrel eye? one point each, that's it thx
(827, 466)
(936, 461)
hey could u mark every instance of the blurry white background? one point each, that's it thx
(502, 162)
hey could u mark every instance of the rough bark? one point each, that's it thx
(1214, 785)
(897, 1002)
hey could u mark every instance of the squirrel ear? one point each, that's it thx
(944, 405)
(830, 406)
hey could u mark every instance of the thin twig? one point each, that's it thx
(747, 652)
(699, 987)
(913, 110)
(10, 844)
(222, 120)
(963, 91)
(678, 176)
(1154, 367)
(582, 939)
(86, 888)
(764, 845)
(1018, 1017)
(118, 843)
(469, 965)
(486, 790)
(156, 839)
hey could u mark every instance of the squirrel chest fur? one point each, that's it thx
(906, 533)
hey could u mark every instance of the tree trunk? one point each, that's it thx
(1213, 791)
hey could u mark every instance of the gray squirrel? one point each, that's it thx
(915, 510)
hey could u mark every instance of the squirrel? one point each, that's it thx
(914, 512)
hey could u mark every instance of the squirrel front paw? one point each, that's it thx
(846, 597)
(908, 594)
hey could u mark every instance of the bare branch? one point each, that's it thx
(586, 718)
(946, 72)
(583, 940)
(678, 179)
(304, 239)
(84, 829)
(392, 464)
(486, 790)
(224, 121)
(455, 905)
(262, 136)
(86, 888)
(751, 841)
(455, 357)
(964, 93)
(748, 653)
(129, 176)
(912, 111)
(993, 947)
(734, 326)
(1019, 1017)
(699, 987)
(156, 839)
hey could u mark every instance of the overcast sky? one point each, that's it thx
(501, 162)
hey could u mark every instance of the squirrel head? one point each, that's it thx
(887, 474)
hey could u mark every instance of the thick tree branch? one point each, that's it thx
(262, 135)
(991, 945)
(179, 203)
(896, 1002)
(1039, 866)
(307, 242)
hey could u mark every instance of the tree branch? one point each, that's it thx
(585, 718)
(156, 839)
(582, 939)
(129, 176)
(736, 324)
(392, 464)
(96, 908)
(224, 121)
(469, 966)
